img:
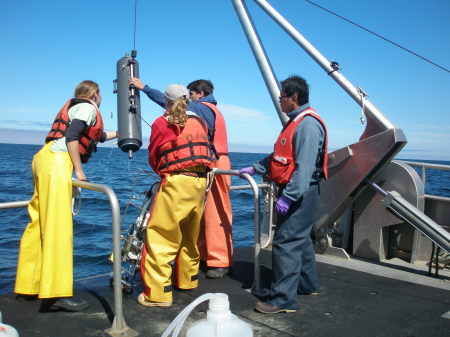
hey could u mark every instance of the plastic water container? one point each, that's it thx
(7, 330)
(219, 321)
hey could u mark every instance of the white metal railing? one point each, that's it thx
(257, 250)
(265, 234)
(423, 176)
(14, 204)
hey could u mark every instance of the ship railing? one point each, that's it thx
(263, 233)
(257, 232)
(436, 207)
(423, 175)
(119, 326)
(266, 227)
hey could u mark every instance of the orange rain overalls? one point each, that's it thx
(215, 240)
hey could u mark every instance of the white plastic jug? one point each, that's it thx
(7, 330)
(219, 321)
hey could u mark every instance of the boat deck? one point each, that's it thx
(351, 303)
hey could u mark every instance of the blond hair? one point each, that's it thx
(86, 89)
(176, 113)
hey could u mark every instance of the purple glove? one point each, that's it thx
(283, 205)
(250, 170)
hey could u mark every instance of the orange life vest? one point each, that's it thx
(191, 148)
(282, 160)
(88, 138)
(220, 141)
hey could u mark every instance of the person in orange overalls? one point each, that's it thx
(215, 239)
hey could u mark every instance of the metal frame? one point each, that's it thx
(348, 167)
(376, 121)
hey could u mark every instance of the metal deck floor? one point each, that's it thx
(351, 303)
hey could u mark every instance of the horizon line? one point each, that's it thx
(255, 147)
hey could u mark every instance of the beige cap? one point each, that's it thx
(175, 91)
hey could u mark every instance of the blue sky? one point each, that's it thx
(49, 46)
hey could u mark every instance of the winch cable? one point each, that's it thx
(379, 36)
(134, 47)
(135, 20)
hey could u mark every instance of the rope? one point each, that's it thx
(379, 36)
(135, 19)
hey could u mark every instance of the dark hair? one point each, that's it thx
(296, 85)
(202, 85)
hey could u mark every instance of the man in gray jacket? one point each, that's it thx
(298, 164)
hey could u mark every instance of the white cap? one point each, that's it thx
(175, 91)
(219, 302)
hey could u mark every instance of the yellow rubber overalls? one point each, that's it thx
(45, 266)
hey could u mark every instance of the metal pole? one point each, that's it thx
(14, 204)
(413, 216)
(376, 187)
(119, 326)
(269, 239)
(115, 210)
(404, 210)
(245, 187)
(259, 53)
(370, 109)
(257, 250)
(424, 176)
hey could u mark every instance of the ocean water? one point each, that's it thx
(92, 227)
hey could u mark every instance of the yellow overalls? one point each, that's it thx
(172, 234)
(45, 266)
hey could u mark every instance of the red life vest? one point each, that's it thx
(282, 160)
(88, 138)
(191, 148)
(220, 141)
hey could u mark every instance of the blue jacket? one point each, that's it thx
(196, 107)
(308, 143)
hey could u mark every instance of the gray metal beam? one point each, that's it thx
(376, 121)
(261, 58)
(414, 217)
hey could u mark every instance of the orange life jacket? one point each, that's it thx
(191, 148)
(220, 141)
(282, 160)
(88, 138)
